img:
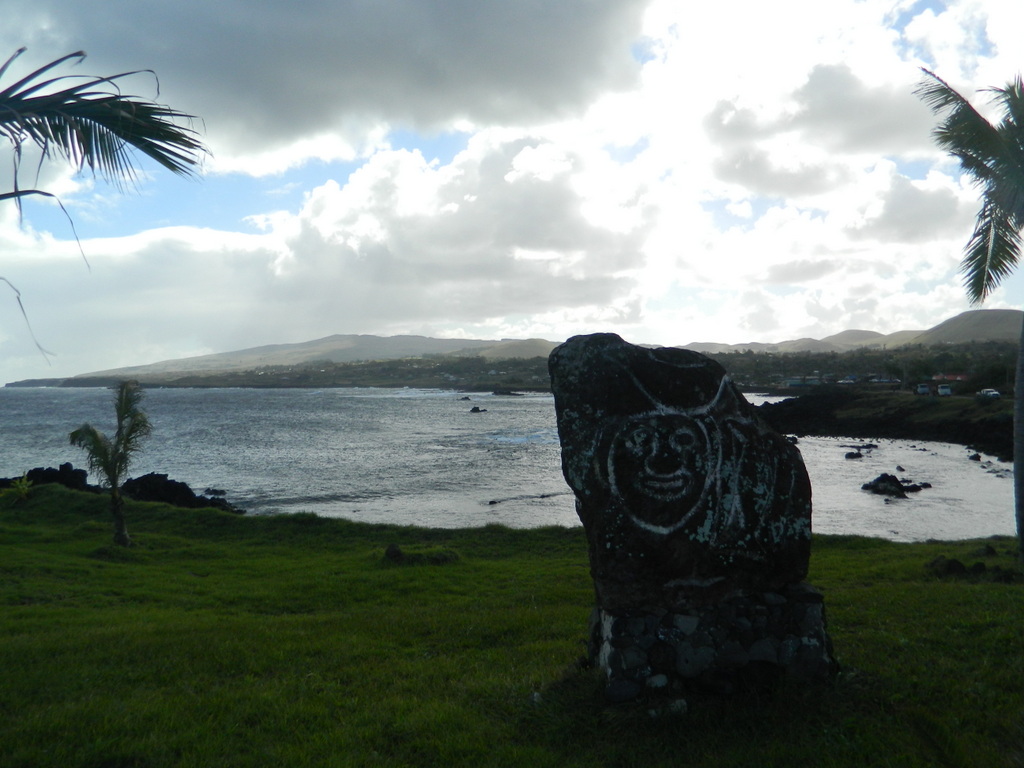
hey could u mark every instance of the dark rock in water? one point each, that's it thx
(890, 485)
(151, 487)
(66, 475)
(158, 487)
(974, 457)
(886, 485)
(697, 517)
(477, 409)
(854, 455)
(862, 447)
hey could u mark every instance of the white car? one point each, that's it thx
(992, 393)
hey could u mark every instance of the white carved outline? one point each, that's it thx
(713, 439)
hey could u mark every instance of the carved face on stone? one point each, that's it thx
(660, 464)
(684, 493)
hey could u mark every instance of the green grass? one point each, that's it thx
(221, 640)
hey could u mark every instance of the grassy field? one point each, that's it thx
(221, 640)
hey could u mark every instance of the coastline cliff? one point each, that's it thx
(982, 424)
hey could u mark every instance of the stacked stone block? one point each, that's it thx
(749, 641)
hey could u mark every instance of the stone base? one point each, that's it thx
(748, 641)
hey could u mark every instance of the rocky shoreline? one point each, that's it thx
(151, 487)
(983, 425)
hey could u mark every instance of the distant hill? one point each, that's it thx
(339, 348)
(975, 325)
(840, 342)
(979, 325)
(512, 350)
(900, 338)
(335, 349)
(851, 339)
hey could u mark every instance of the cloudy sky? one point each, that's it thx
(673, 172)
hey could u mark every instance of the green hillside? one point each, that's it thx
(223, 640)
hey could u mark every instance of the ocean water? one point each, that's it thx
(420, 457)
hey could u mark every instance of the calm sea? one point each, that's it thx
(421, 457)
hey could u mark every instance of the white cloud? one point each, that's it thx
(271, 79)
(735, 171)
(415, 240)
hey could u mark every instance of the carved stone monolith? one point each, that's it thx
(698, 522)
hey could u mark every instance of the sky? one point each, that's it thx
(672, 172)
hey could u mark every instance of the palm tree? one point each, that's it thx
(111, 457)
(992, 155)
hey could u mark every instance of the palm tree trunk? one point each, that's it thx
(117, 509)
(1018, 446)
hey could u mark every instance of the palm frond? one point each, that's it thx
(964, 132)
(1008, 165)
(94, 125)
(98, 448)
(17, 297)
(1011, 99)
(993, 157)
(37, 73)
(132, 423)
(132, 429)
(10, 60)
(18, 194)
(127, 400)
(992, 253)
(137, 427)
